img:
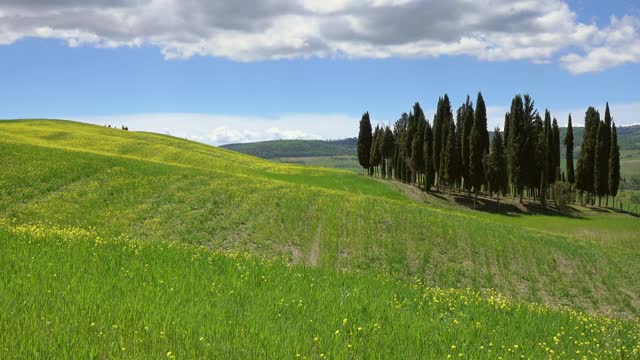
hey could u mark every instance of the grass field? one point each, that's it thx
(187, 208)
(75, 295)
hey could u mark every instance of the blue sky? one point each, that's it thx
(226, 81)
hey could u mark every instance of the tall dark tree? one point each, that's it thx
(540, 131)
(497, 166)
(506, 129)
(438, 121)
(447, 117)
(451, 156)
(549, 163)
(585, 167)
(476, 149)
(429, 170)
(607, 143)
(375, 157)
(614, 164)
(465, 141)
(387, 150)
(556, 150)
(481, 120)
(417, 145)
(568, 142)
(527, 138)
(600, 175)
(516, 148)
(365, 139)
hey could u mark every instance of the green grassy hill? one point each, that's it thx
(132, 239)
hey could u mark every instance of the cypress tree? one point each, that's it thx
(387, 149)
(437, 138)
(428, 158)
(447, 118)
(481, 120)
(607, 144)
(527, 138)
(476, 151)
(585, 167)
(417, 152)
(568, 142)
(451, 156)
(614, 164)
(365, 139)
(541, 155)
(600, 185)
(375, 156)
(515, 147)
(465, 139)
(556, 150)
(497, 166)
(506, 130)
(549, 163)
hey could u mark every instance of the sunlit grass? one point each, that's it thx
(69, 293)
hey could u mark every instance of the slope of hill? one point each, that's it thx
(157, 190)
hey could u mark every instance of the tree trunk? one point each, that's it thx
(498, 199)
(475, 198)
(607, 201)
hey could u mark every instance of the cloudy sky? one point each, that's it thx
(238, 70)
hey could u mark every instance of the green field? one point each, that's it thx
(164, 247)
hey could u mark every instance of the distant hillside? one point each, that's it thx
(296, 148)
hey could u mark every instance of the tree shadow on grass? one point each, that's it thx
(508, 208)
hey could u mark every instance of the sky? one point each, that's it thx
(240, 70)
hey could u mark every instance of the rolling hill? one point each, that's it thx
(145, 245)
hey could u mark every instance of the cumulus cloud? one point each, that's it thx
(226, 129)
(249, 30)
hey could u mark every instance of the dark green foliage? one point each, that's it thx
(476, 150)
(556, 150)
(497, 165)
(614, 162)
(365, 139)
(528, 139)
(568, 142)
(584, 176)
(541, 152)
(451, 156)
(480, 117)
(465, 139)
(600, 175)
(387, 150)
(440, 128)
(376, 154)
(516, 148)
(548, 162)
(417, 146)
(428, 158)
(506, 129)
(437, 135)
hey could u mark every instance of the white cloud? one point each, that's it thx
(618, 44)
(249, 30)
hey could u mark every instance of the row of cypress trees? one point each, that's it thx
(457, 154)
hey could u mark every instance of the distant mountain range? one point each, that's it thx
(296, 148)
